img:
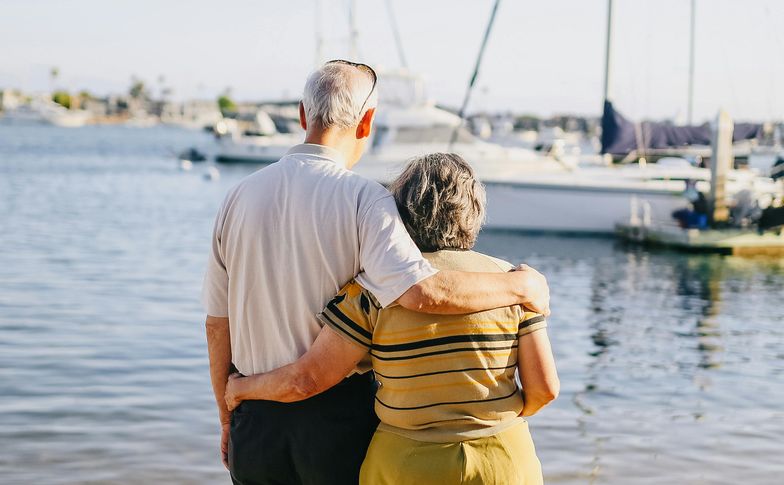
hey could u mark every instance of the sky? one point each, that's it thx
(543, 57)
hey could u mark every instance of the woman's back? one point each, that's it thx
(444, 378)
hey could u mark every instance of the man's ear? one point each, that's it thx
(365, 125)
(303, 122)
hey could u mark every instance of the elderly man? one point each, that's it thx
(286, 239)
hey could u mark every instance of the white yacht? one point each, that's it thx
(594, 199)
(42, 111)
(266, 144)
(402, 133)
(540, 194)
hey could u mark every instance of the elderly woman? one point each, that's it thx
(450, 408)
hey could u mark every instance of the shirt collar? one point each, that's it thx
(321, 151)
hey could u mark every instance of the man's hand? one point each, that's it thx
(535, 289)
(224, 445)
(232, 396)
(219, 349)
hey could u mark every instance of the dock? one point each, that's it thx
(717, 232)
(739, 242)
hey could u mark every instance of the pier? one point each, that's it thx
(719, 235)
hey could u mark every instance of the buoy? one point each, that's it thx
(212, 173)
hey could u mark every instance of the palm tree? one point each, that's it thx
(138, 89)
(54, 73)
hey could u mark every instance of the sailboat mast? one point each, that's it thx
(691, 62)
(608, 51)
(396, 32)
(475, 75)
(354, 33)
(319, 35)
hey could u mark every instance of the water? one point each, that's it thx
(671, 365)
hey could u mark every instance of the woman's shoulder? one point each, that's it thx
(463, 260)
(502, 265)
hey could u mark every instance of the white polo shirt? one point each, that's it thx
(287, 238)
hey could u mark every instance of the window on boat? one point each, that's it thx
(285, 125)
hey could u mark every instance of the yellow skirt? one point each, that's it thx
(507, 458)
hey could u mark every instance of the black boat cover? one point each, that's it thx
(619, 136)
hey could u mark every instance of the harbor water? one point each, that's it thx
(672, 365)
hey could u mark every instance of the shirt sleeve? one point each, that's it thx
(531, 322)
(215, 288)
(352, 314)
(390, 261)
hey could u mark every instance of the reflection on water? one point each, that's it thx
(671, 364)
(702, 282)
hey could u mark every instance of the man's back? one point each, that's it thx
(289, 238)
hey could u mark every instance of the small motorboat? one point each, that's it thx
(192, 155)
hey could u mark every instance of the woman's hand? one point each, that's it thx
(224, 446)
(233, 395)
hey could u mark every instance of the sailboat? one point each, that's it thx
(586, 198)
(754, 144)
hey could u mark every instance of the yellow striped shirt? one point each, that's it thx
(443, 377)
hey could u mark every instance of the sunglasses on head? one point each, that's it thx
(364, 68)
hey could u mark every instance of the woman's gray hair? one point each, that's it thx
(440, 201)
(334, 94)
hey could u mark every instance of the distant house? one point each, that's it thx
(195, 114)
(10, 99)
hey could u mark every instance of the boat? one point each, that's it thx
(192, 155)
(626, 140)
(547, 197)
(593, 200)
(41, 111)
(756, 145)
(407, 124)
(255, 149)
(264, 143)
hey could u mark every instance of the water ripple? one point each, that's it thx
(670, 364)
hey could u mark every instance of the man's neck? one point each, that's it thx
(337, 140)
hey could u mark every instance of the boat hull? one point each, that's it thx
(250, 154)
(563, 209)
(238, 159)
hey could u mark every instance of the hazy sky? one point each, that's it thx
(544, 57)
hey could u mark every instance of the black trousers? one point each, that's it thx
(319, 441)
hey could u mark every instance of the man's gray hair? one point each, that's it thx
(440, 201)
(334, 94)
